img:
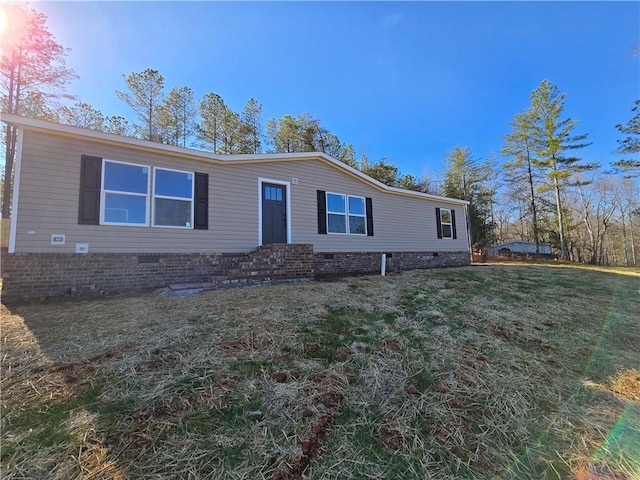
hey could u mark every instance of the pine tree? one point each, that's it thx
(304, 134)
(145, 95)
(82, 115)
(251, 128)
(553, 139)
(383, 171)
(176, 117)
(37, 105)
(519, 144)
(348, 156)
(212, 108)
(284, 135)
(230, 131)
(118, 125)
(630, 145)
(309, 133)
(33, 75)
(328, 143)
(467, 179)
(409, 182)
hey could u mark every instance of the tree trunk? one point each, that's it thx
(624, 239)
(7, 187)
(563, 244)
(467, 216)
(151, 119)
(601, 255)
(13, 101)
(633, 247)
(593, 260)
(534, 213)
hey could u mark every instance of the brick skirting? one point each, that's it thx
(334, 264)
(42, 275)
(36, 276)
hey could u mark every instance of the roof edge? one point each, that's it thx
(70, 130)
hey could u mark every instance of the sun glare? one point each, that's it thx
(3, 20)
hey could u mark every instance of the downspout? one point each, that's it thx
(16, 190)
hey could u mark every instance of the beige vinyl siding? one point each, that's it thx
(50, 182)
(401, 223)
(52, 164)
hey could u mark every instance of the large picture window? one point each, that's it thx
(125, 191)
(346, 214)
(172, 198)
(122, 193)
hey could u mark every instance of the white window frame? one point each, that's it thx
(104, 192)
(443, 223)
(346, 214)
(166, 197)
(363, 215)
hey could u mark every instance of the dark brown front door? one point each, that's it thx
(274, 213)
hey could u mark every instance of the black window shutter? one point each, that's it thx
(438, 222)
(369, 206)
(90, 185)
(322, 212)
(201, 205)
(453, 223)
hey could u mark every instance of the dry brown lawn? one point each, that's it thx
(510, 371)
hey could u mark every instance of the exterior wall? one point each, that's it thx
(49, 189)
(42, 275)
(331, 264)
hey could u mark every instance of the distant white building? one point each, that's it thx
(520, 247)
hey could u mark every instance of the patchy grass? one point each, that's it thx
(511, 371)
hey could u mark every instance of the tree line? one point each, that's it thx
(550, 194)
(539, 190)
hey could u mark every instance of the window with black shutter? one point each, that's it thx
(201, 206)
(446, 223)
(124, 196)
(453, 223)
(343, 214)
(90, 185)
(369, 217)
(322, 212)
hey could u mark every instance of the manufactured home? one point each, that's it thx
(95, 212)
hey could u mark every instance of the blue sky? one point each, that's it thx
(402, 80)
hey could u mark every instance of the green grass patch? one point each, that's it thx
(342, 327)
(249, 368)
(46, 422)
